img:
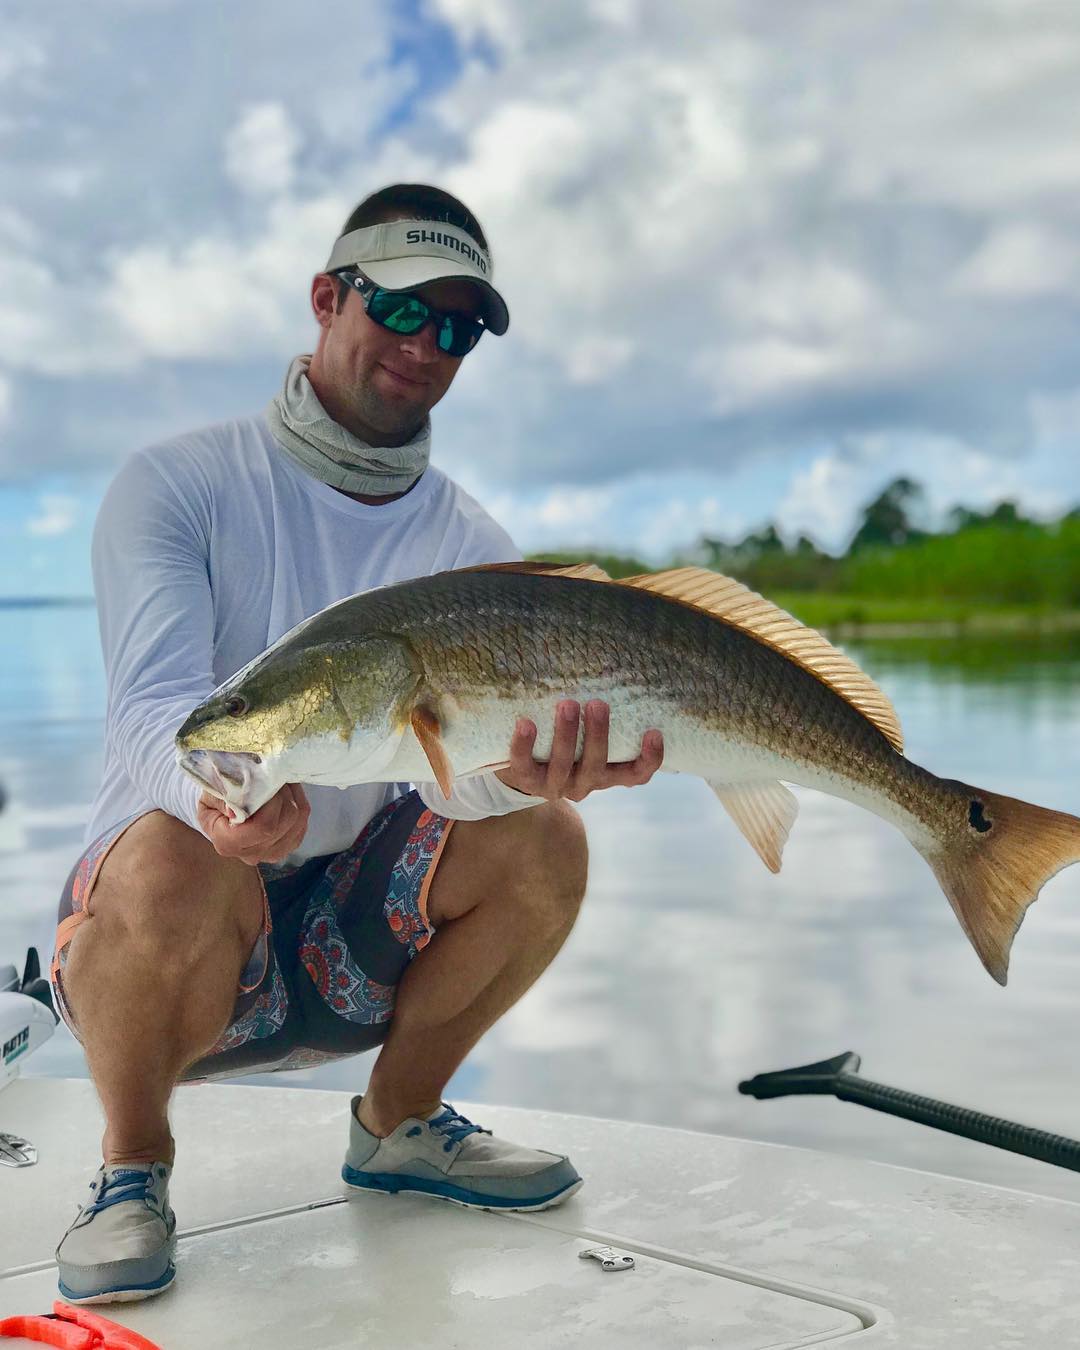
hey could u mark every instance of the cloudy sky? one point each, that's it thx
(760, 257)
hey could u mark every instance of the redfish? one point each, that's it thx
(427, 678)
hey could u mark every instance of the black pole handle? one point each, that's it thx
(35, 984)
(838, 1077)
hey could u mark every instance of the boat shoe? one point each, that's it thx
(120, 1248)
(450, 1157)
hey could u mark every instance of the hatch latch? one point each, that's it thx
(608, 1259)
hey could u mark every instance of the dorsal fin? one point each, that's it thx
(736, 604)
(585, 571)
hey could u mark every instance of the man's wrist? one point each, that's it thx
(504, 776)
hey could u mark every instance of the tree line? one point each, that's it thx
(994, 557)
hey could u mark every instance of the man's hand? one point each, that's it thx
(560, 776)
(270, 835)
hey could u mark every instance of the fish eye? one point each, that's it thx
(236, 706)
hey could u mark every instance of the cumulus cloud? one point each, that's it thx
(791, 239)
(122, 250)
(1021, 259)
(261, 149)
(730, 234)
(822, 498)
(56, 514)
(23, 58)
(230, 296)
(1056, 417)
(650, 516)
(16, 231)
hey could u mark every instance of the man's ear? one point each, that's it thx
(324, 294)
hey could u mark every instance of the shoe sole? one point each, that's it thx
(389, 1183)
(120, 1294)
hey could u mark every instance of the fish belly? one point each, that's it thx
(477, 732)
(478, 726)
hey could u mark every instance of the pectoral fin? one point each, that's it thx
(428, 732)
(764, 812)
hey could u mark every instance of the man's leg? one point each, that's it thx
(152, 973)
(503, 899)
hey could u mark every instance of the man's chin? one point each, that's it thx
(397, 395)
(395, 420)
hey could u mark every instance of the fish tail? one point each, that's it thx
(993, 863)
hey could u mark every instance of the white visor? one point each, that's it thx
(404, 254)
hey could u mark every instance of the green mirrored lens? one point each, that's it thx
(458, 335)
(401, 314)
(446, 334)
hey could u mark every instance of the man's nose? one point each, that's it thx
(421, 346)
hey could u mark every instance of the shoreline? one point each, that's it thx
(977, 626)
(848, 618)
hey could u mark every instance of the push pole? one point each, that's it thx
(839, 1077)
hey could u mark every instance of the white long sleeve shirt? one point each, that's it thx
(209, 547)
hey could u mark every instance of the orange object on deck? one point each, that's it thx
(75, 1329)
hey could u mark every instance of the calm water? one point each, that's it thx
(692, 966)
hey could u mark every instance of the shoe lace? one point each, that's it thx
(454, 1126)
(122, 1185)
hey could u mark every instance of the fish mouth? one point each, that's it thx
(238, 778)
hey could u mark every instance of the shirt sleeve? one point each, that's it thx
(475, 798)
(482, 794)
(155, 612)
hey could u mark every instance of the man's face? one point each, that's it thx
(381, 385)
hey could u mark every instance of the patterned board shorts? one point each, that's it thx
(338, 934)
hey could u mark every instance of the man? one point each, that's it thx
(331, 921)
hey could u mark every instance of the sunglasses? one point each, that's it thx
(402, 312)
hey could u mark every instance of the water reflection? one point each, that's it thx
(692, 966)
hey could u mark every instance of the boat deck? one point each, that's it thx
(736, 1244)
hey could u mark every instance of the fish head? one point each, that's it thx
(330, 713)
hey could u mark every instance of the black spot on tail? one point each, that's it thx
(976, 818)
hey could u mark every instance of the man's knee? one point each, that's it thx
(163, 879)
(533, 861)
(547, 861)
(555, 835)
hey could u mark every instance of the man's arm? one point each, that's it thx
(155, 613)
(475, 798)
